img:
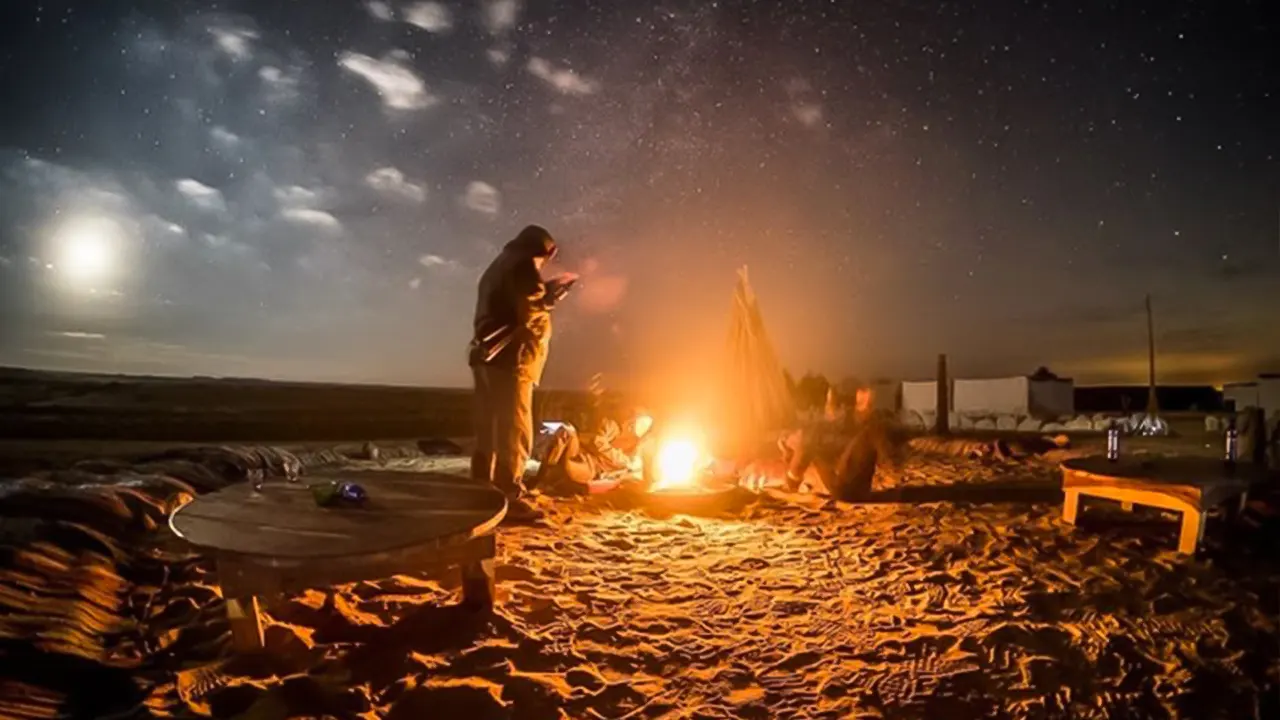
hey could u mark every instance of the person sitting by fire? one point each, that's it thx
(838, 455)
(572, 461)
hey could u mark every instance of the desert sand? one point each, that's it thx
(958, 593)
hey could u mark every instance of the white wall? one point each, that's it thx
(1008, 396)
(1244, 394)
(922, 397)
(1052, 398)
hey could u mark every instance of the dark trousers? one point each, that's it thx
(503, 427)
(846, 471)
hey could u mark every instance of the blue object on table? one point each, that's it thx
(352, 492)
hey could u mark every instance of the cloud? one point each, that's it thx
(78, 335)
(390, 181)
(235, 42)
(223, 138)
(498, 56)
(483, 198)
(399, 87)
(435, 261)
(296, 196)
(281, 85)
(433, 17)
(809, 114)
(500, 16)
(564, 80)
(311, 218)
(415, 283)
(380, 10)
(201, 195)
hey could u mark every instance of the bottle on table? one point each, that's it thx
(1113, 442)
(1232, 453)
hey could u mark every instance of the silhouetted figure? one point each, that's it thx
(571, 461)
(839, 456)
(507, 356)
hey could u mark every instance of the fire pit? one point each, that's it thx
(681, 475)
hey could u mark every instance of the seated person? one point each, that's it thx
(838, 457)
(573, 461)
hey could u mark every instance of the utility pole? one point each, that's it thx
(1152, 406)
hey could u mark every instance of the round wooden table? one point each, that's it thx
(278, 540)
(1189, 485)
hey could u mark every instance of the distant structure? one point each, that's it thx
(1264, 392)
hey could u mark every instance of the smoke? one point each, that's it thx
(599, 291)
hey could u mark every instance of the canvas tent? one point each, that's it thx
(755, 395)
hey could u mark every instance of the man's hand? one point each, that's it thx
(559, 286)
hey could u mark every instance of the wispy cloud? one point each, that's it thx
(436, 262)
(399, 87)
(281, 85)
(236, 42)
(380, 10)
(498, 56)
(809, 114)
(482, 197)
(564, 80)
(202, 196)
(500, 16)
(311, 218)
(78, 335)
(223, 138)
(433, 17)
(295, 196)
(390, 181)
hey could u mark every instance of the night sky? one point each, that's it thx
(309, 190)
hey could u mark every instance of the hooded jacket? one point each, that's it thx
(512, 294)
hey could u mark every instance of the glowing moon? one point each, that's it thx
(86, 251)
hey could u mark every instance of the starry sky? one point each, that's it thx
(309, 190)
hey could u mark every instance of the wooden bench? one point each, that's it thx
(278, 541)
(1189, 485)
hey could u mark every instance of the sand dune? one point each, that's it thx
(959, 594)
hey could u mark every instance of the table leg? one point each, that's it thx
(1244, 504)
(478, 584)
(1192, 532)
(1126, 506)
(246, 624)
(1070, 506)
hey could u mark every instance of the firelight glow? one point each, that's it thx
(678, 461)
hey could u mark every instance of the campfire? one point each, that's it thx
(680, 463)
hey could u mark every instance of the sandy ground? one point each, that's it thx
(961, 595)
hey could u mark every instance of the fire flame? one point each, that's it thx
(678, 462)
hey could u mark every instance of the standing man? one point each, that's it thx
(507, 355)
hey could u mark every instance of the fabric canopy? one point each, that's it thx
(755, 394)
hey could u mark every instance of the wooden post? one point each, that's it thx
(942, 424)
(1152, 406)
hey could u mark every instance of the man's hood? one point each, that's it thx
(533, 241)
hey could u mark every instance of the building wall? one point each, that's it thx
(1244, 395)
(1007, 396)
(922, 397)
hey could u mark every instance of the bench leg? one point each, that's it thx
(1070, 507)
(1126, 506)
(478, 585)
(246, 624)
(1192, 532)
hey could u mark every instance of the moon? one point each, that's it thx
(86, 252)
